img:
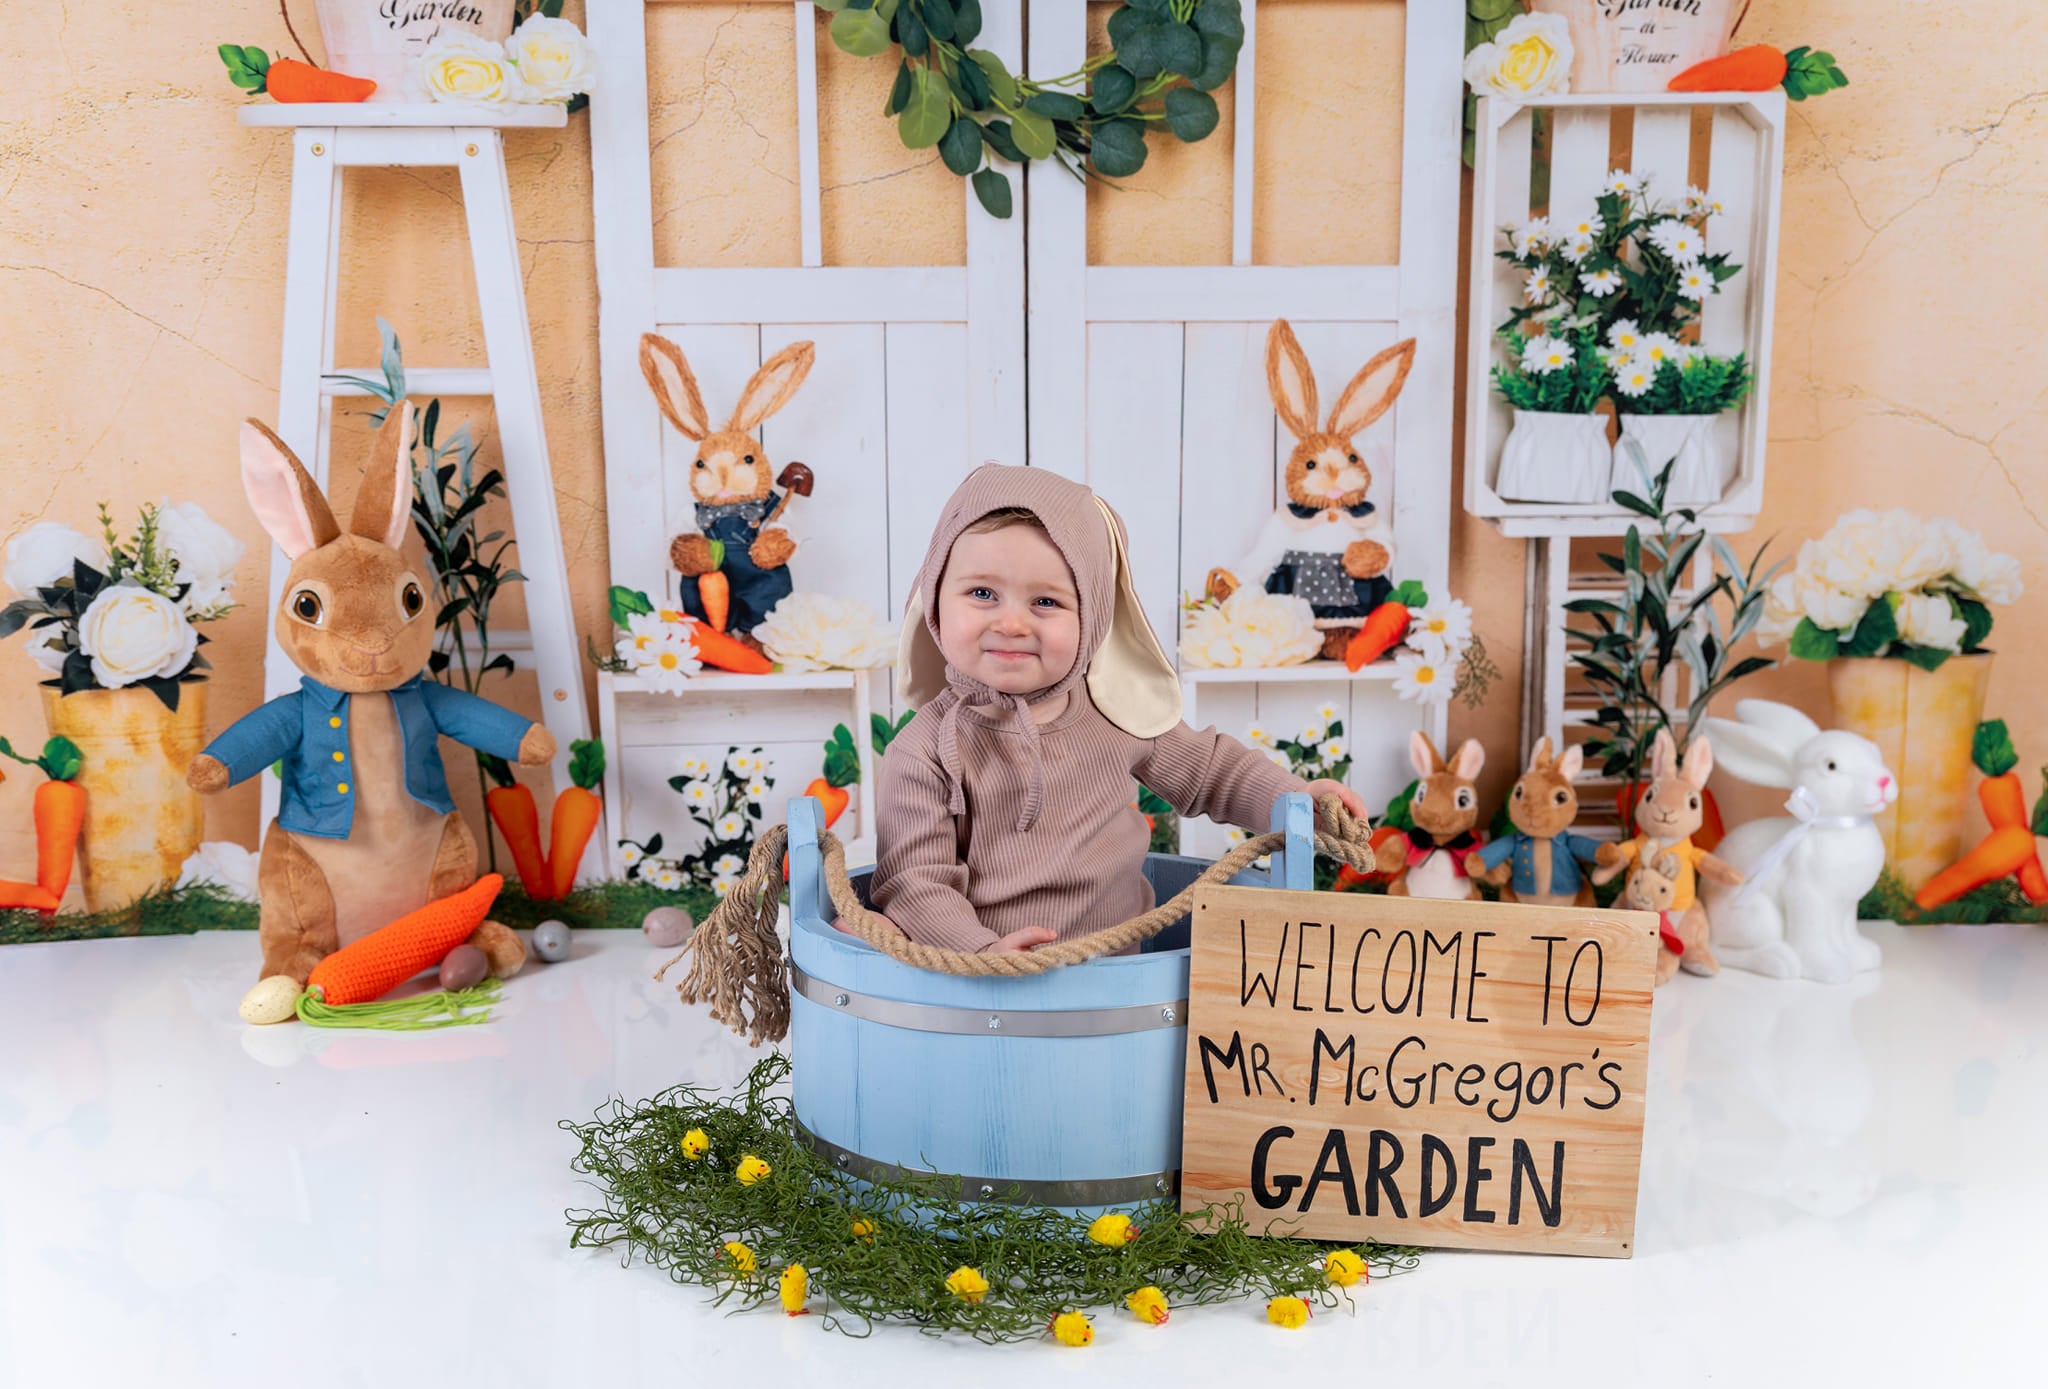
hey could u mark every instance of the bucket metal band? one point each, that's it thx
(1093, 1191)
(988, 1022)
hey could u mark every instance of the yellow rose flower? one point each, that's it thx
(1532, 56)
(1116, 1231)
(1148, 1305)
(796, 1286)
(751, 1170)
(1344, 1268)
(741, 1256)
(967, 1284)
(463, 67)
(553, 57)
(1290, 1312)
(696, 1143)
(1073, 1328)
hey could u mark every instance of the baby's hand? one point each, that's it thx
(1018, 942)
(1353, 802)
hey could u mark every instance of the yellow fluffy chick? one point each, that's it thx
(1344, 1268)
(1073, 1328)
(696, 1143)
(741, 1256)
(796, 1286)
(967, 1284)
(1148, 1305)
(1116, 1231)
(751, 1170)
(1290, 1312)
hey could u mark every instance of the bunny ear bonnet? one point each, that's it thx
(1129, 677)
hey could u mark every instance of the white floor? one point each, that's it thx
(1839, 1186)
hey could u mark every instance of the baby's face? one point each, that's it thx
(1008, 614)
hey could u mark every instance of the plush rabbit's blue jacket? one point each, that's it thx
(308, 731)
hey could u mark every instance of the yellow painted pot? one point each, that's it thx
(141, 821)
(1923, 721)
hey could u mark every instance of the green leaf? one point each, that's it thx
(1976, 621)
(1112, 91)
(718, 554)
(2040, 825)
(1157, 48)
(969, 85)
(1057, 106)
(911, 33)
(863, 33)
(1033, 134)
(1118, 149)
(929, 112)
(960, 146)
(586, 762)
(1488, 10)
(938, 19)
(1409, 593)
(900, 92)
(61, 759)
(1811, 643)
(1877, 629)
(1190, 114)
(997, 133)
(1223, 18)
(1001, 85)
(966, 21)
(994, 192)
(628, 602)
(1219, 60)
(1925, 657)
(1991, 748)
(1636, 504)
(1127, 20)
(830, 6)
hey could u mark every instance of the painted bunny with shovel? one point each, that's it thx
(737, 546)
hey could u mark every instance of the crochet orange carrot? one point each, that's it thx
(59, 813)
(13, 894)
(714, 590)
(512, 810)
(2009, 848)
(288, 79)
(1385, 628)
(1757, 68)
(390, 955)
(576, 812)
(715, 648)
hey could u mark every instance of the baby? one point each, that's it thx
(1004, 816)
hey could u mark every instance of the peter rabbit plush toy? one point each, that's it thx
(1429, 860)
(1652, 886)
(1328, 544)
(730, 483)
(1540, 861)
(366, 831)
(1669, 815)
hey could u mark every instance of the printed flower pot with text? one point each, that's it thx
(379, 39)
(141, 821)
(1923, 722)
(1551, 456)
(1700, 476)
(1640, 45)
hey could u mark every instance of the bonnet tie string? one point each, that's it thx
(949, 747)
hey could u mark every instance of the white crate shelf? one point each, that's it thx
(1745, 168)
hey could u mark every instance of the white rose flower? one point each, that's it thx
(1995, 578)
(1929, 619)
(1251, 628)
(45, 646)
(1531, 56)
(1829, 607)
(206, 553)
(221, 864)
(133, 634)
(553, 58)
(817, 631)
(43, 554)
(1869, 553)
(466, 68)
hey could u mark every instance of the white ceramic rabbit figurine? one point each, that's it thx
(1796, 914)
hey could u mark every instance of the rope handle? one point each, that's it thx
(736, 960)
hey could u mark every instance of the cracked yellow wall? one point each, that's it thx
(142, 264)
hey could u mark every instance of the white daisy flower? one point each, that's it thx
(1449, 622)
(667, 666)
(1590, 224)
(1678, 240)
(1623, 335)
(1536, 288)
(1545, 355)
(1659, 348)
(1328, 713)
(1258, 737)
(1420, 679)
(1431, 647)
(1313, 734)
(1531, 238)
(697, 793)
(757, 789)
(1234, 835)
(1600, 283)
(1699, 203)
(1634, 378)
(729, 826)
(630, 854)
(728, 865)
(1333, 751)
(667, 878)
(1576, 248)
(1623, 184)
(1279, 759)
(738, 762)
(1696, 284)
(722, 886)
(644, 632)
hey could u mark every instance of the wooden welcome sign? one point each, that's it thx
(1458, 1074)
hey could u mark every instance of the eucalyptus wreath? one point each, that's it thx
(1165, 57)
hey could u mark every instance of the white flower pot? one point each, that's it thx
(1640, 45)
(1701, 474)
(1551, 456)
(378, 39)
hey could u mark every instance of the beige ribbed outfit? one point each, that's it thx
(988, 822)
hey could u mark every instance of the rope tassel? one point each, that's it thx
(736, 963)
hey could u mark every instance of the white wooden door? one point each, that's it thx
(1149, 383)
(919, 377)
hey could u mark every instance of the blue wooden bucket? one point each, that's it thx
(1061, 1089)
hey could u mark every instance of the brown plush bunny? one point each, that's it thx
(1540, 861)
(1668, 816)
(1652, 887)
(366, 830)
(1326, 544)
(1429, 860)
(730, 482)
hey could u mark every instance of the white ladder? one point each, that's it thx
(327, 138)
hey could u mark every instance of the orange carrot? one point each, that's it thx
(13, 894)
(1757, 68)
(2003, 798)
(836, 798)
(390, 955)
(715, 648)
(59, 811)
(1387, 625)
(518, 819)
(2000, 852)
(714, 590)
(576, 810)
(288, 79)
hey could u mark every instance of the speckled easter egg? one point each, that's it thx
(465, 967)
(551, 941)
(667, 926)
